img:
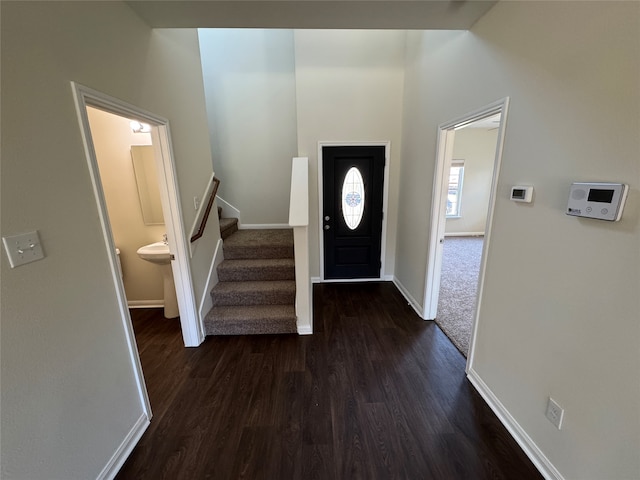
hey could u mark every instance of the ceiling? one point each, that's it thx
(352, 14)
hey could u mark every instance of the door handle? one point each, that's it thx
(327, 218)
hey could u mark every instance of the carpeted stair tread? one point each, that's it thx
(228, 226)
(270, 243)
(251, 320)
(254, 293)
(243, 270)
(256, 290)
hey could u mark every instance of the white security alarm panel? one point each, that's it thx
(603, 201)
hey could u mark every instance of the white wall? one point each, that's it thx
(568, 327)
(477, 147)
(251, 105)
(69, 396)
(349, 88)
(112, 140)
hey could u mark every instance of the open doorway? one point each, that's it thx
(470, 175)
(129, 180)
(448, 205)
(191, 327)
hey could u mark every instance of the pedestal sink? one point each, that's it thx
(159, 254)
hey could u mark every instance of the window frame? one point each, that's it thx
(456, 163)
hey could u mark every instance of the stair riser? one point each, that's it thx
(227, 232)
(249, 274)
(228, 226)
(254, 327)
(253, 298)
(236, 253)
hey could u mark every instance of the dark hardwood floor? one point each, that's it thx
(375, 393)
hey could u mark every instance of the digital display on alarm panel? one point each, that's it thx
(600, 195)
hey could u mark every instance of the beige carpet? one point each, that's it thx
(458, 289)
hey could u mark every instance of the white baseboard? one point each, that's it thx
(405, 293)
(304, 330)
(464, 234)
(529, 447)
(232, 212)
(228, 210)
(352, 280)
(145, 303)
(262, 226)
(121, 454)
(206, 302)
(384, 278)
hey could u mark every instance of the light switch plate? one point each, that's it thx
(555, 413)
(23, 248)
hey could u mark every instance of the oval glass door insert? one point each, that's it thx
(353, 198)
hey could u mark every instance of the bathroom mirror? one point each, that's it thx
(144, 168)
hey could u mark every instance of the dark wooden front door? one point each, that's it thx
(353, 180)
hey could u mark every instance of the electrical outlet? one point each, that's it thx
(555, 413)
(196, 202)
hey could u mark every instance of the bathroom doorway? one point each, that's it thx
(135, 210)
(86, 98)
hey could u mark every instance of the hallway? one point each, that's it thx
(375, 393)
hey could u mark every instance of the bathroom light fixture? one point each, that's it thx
(138, 127)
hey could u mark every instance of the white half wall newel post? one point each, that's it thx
(299, 221)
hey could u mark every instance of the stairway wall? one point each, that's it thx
(250, 90)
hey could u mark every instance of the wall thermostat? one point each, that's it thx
(603, 201)
(522, 193)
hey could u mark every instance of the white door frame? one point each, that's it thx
(446, 135)
(385, 197)
(192, 330)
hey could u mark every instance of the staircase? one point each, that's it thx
(256, 290)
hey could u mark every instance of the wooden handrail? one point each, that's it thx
(203, 223)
